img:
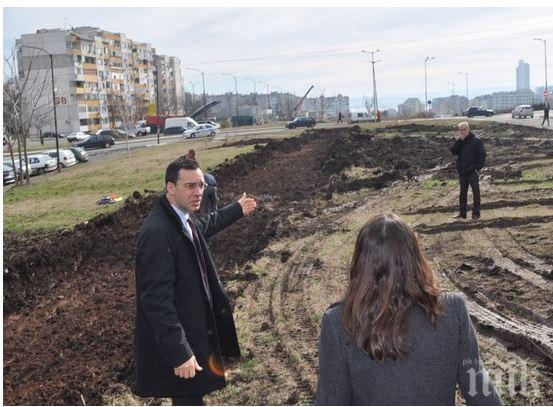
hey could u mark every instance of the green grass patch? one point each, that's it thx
(61, 200)
(438, 183)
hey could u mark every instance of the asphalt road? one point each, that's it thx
(506, 118)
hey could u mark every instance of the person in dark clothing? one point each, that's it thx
(395, 339)
(184, 324)
(471, 157)
(210, 199)
(339, 117)
(545, 114)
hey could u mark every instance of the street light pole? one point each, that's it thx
(236, 90)
(466, 83)
(53, 101)
(268, 101)
(203, 87)
(425, 83)
(545, 53)
(375, 97)
(254, 90)
(193, 91)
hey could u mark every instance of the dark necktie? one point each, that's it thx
(201, 259)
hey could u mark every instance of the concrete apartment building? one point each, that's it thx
(169, 85)
(454, 105)
(523, 75)
(411, 107)
(102, 79)
(326, 107)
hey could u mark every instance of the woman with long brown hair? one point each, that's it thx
(395, 339)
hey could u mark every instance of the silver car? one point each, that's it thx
(523, 111)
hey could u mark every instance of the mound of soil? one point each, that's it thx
(69, 296)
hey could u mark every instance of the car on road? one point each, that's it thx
(117, 134)
(80, 154)
(41, 163)
(215, 124)
(77, 136)
(97, 141)
(302, 121)
(478, 111)
(522, 111)
(9, 175)
(201, 130)
(67, 158)
(140, 130)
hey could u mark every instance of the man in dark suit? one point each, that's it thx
(471, 157)
(184, 323)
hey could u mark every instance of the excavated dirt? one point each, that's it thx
(69, 295)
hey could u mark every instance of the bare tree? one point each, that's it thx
(26, 99)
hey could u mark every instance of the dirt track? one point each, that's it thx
(69, 296)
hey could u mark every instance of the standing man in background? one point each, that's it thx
(545, 114)
(471, 157)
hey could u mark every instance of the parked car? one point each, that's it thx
(8, 162)
(97, 141)
(201, 130)
(41, 163)
(214, 124)
(140, 130)
(478, 111)
(9, 175)
(523, 111)
(303, 121)
(174, 130)
(80, 154)
(117, 134)
(77, 136)
(67, 158)
(51, 134)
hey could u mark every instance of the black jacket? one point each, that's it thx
(470, 153)
(174, 319)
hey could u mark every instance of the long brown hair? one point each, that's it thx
(389, 275)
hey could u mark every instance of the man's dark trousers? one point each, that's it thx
(464, 181)
(188, 401)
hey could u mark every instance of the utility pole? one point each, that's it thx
(236, 89)
(425, 83)
(254, 90)
(375, 97)
(452, 83)
(193, 84)
(466, 83)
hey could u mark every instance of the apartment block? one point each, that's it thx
(411, 107)
(170, 85)
(102, 79)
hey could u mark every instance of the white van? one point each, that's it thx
(357, 117)
(185, 122)
(523, 111)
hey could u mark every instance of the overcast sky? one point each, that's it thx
(293, 48)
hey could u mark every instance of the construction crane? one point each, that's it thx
(300, 102)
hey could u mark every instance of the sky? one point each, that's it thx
(292, 48)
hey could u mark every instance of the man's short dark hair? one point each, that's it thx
(181, 163)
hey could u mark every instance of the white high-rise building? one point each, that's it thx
(523, 75)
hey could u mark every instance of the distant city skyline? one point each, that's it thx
(293, 48)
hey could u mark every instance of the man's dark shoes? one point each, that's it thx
(459, 217)
(475, 216)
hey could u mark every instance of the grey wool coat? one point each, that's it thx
(440, 358)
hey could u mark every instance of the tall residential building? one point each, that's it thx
(170, 85)
(411, 107)
(523, 75)
(102, 79)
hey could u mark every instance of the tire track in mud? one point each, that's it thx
(534, 337)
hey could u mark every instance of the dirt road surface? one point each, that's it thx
(69, 296)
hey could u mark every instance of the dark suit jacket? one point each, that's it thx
(440, 358)
(174, 319)
(471, 154)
